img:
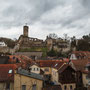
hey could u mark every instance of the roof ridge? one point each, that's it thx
(62, 65)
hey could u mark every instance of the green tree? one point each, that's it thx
(84, 43)
(53, 36)
(52, 53)
(73, 42)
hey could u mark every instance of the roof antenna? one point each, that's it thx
(25, 24)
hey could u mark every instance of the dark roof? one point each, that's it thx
(30, 74)
(4, 72)
(63, 67)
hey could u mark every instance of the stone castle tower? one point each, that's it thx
(25, 31)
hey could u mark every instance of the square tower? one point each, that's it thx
(25, 31)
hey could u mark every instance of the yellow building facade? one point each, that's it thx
(47, 70)
(86, 80)
(3, 86)
(22, 81)
(35, 69)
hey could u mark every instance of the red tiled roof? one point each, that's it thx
(82, 54)
(4, 69)
(50, 63)
(57, 65)
(80, 64)
(20, 60)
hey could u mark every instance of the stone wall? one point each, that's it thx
(4, 49)
(30, 54)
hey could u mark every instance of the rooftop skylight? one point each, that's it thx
(10, 71)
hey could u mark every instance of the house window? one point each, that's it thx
(37, 69)
(46, 69)
(30, 68)
(23, 87)
(89, 83)
(34, 87)
(70, 87)
(34, 69)
(55, 73)
(86, 85)
(86, 77)
(65, 87)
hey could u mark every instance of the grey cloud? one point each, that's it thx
(78, 13)
(31, 14)
(16, 13)
(41, 7)
(86, 3)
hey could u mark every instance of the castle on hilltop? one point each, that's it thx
(29, 46)
(27, 43)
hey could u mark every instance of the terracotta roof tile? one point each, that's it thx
(50, 63)
(82, 54)
(80, 64)
(4, 72)
(20, 60)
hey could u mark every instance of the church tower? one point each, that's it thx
(25, 30)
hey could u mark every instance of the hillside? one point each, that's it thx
(10, 43)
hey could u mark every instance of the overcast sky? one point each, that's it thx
(44, 17)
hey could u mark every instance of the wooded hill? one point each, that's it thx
(9, 42)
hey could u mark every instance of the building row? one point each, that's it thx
(19, 72)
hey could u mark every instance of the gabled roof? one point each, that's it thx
(63, 67)
(79, 64)
(4, 72)
(34, 63)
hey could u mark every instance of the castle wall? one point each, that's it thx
(4, 49)
(30, 54)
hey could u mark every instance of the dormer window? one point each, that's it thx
(37, 69)
(34, 69)
(47, 69)
(10, 71)
(86, 68)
